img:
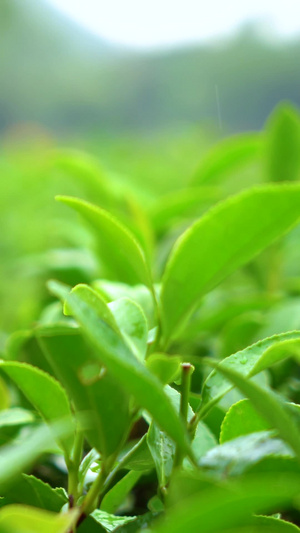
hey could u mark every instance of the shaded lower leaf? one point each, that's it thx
(34, 492)
(223, 507)
(279, 414)
(116, 496)
(142, 522)
(236, 456)
(102, 406)
(44, 392)
(18, 456)
(242, 419)
(109, 521)
(137, 457)
(203, 440)
(163, 452)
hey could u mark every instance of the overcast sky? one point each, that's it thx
(155, 23)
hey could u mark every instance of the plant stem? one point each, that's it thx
(94, 492)
(186, 374)
(102, 481)
(120, 465)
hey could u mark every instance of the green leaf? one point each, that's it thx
(219, 508)
(276, 353)
(165, 367)
(236, 456)
(132, 324)
(203, 441)
(268, 524)
(138, 293)
(4, 395)
(141, 523)
(224, 239)
(109, 521)
(17, 456)
(247, 362)
(116, 496)
(280, 415)
(163, 452)
(12, 420)
(16, 416)
(22, 519)
(85, 466)
(34, 492)
(135, 378)
(93, 298)
(242, 419)
(102, 406)
(283, 145)
(119, 248)
(227, 156)
(138, 457)
(44, 392)
(90, 525)
(222, 306)
(123, 315)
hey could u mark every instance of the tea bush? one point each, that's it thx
(161, 392)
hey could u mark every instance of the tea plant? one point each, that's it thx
(163, 395)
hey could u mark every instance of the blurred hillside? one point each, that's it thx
(55, 73)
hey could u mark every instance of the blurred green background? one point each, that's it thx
(54, 72)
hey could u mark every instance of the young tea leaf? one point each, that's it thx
(119, 248)
(165, 367)
(283, 145)
(224, 239)
(247, 362)
(132, 324)
(131, 374)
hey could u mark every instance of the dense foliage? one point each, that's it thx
(158, 388)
